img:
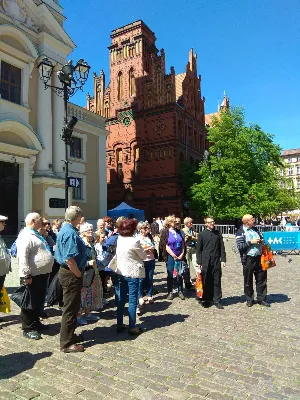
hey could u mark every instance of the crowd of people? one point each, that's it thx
(121, 254)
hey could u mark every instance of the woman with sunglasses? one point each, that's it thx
(173, 249)
(149, 264)
(91, 297)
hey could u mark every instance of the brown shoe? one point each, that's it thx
(74, 348)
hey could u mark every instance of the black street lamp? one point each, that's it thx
(72, 78)
(207, 159)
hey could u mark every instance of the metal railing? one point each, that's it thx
(223, 229)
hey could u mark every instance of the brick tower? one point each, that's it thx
(155, 120)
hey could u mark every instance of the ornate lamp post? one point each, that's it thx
(72, 78)
(207, 159)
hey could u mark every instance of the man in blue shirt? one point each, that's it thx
(249, 243)
(70, 253)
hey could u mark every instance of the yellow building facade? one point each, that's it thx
(292, 171)
(31, 119)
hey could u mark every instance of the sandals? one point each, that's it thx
(149, 301)
(135, 331)
(74, 348)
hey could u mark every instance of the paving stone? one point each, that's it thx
(187, 352)
(26, 393)
(219, 396)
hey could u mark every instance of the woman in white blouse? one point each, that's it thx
(149, 263)
(130, 268)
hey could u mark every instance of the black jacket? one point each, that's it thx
(241, 243)
(210, 249)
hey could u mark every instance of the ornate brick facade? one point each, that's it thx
(155, 121)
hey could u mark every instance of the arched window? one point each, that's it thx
(106, 109)
(137, 161)
(120, 86)
(120, 164)
(131, 83)
(179, 130)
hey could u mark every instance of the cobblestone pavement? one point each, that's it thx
(187, 352)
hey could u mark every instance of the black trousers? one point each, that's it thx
(2, 279)
(71, 286)
(212, 290)
(253, 267)
(37, 289)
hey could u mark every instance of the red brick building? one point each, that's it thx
(155, 120)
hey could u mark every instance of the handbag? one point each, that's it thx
(23, 297)
(4, 301)
(199, 286)
(88, 276)
(267, 258)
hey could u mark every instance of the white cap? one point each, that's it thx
(2, 218)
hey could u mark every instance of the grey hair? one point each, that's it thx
(142, 225)
(31, 217)
(72, 213)
(187, 220)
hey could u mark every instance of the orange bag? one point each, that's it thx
(267, 257)
(199, 286)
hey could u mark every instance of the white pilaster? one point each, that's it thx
(58, 122)
(102, 177)
(44, 129)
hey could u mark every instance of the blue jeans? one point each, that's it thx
(130, 286)
(149, 270)
(170, 269)
(147, 282)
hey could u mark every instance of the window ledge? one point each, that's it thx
(75, 159)
(15, 105)
(79, 200)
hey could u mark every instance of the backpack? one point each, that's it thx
(13, 249)
(109, 255)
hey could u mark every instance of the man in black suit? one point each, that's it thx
(211, 257)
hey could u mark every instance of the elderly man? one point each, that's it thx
(211, 257)
(71, 254)
(35, 263)
(249, 243)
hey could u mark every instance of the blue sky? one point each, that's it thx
(250, 48)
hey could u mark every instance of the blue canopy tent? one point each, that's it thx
(124, 210)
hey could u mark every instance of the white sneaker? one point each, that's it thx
(105, 302)
(82, 321)
(138, 311)
(91, 317)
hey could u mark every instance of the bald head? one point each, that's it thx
(248, 220)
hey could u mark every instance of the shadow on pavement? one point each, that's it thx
(101, 335)
(277, 298)
(229, 301)
(9, 319)
(10, 290)
(13, 364)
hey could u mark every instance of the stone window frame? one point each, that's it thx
(25, 75)
(83, 138)
(83, 188)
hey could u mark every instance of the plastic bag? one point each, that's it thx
(4, 301)
(267, 258)
(199, 286)
(23, 298)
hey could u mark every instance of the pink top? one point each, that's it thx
(146, 242)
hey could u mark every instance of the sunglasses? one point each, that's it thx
(3, 222)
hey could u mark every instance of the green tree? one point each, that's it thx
(246, 179)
